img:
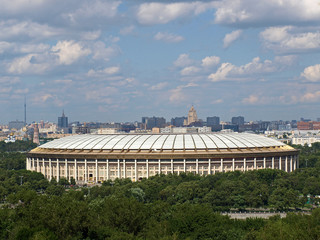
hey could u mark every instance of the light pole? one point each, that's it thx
(21, 180)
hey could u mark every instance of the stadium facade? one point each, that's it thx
(97, 158)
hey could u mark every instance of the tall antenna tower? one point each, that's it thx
(25, 110)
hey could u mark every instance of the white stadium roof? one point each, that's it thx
(159, 142)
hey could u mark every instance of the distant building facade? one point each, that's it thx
(16, 125)
(192, 116)
(237, 120)
(152, 122)
(302, 125)
(178, 121)
(63, 121)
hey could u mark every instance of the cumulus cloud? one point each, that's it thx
(231, 37)
(311, 73)
(310, 97)
(228, 71)
(290, 39)
(248, 13)
(183, 60)
(28, 64)
(92, 12)
(162, 13)
(12, 29)
(168, 37)
(189, 70)
(210, 61)
(69, 51)
(102, 52)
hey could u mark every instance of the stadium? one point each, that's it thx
(97, 158)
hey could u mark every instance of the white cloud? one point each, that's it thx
(290, 39)
(12, 29)
(4, 46)
(183, 60)
(168, 37)
(189, 70)
(69, 51)
(127, 30)
(177, 94)
(312, 73)
(101, 52)
(162, 13)
(159, 86)
(27, 64)
(106, 71)
(310, 97)
(210, 61)
(228, 71)
(248, 13)
(231, 37)
(91, 11)
(252, 99)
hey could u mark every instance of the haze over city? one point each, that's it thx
(121, 60)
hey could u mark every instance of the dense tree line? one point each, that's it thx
(184, 206)
(12, 155)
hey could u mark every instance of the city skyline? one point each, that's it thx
(116, 61)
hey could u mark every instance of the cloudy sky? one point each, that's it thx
(121, 60)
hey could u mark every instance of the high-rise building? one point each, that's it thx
(63, 121)
(212, 121)
(238, 120)
(178, 121)
(192, 116)
(151, 122)
(16, 124)
(36, 134)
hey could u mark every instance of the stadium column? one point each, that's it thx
(159, 166)
(264, 163)
(294, 163)
(172, 166)
(66, 169)
(124, 169)
(244, 164)
(197, 166)
(209, 166)
(33, 168)
(85, 171)
(147, 166)
(58, 170)
(75, 170)
(272, 162)
(290, 163)
(38, 165)
(43, 168)
(50, 169)
(233, 164)
(135, 170)
(221, 165)
(107, 170)
(119, 173)
(184, 165)
(280, 163)
(297, 161)
(286, 161)
(97, 171)
(255, 163)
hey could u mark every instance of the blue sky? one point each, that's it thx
(121, 60)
